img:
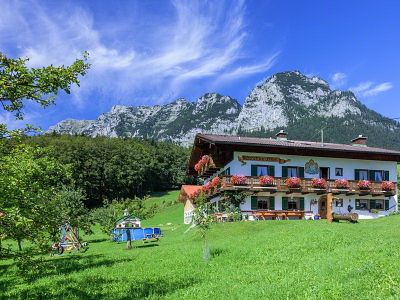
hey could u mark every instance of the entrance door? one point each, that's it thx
(324, 172)
(322, 207)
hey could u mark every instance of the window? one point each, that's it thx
(376, 175)
(339, 203)
(292, 172)
(363, 175)
(263, 203)
(227, 171)
(379, 204)
(262, 170)
(292, 203)
(362, 204)
(338, 171)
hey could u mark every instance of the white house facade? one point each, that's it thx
(285, 179)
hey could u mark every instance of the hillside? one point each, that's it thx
(288, 100)
(265, 259)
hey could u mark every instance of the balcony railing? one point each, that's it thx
(253, 184)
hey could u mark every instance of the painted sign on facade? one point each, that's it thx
(311, 167)
(243, 159)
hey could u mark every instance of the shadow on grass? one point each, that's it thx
(146, 246)
(94, 287)
(98, 241)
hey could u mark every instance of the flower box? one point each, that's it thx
(293, 182)
(364, 185)
(342, 184)
(266, 180)
(216, 182)
(238, 180)
(388, 186)
(319, 183)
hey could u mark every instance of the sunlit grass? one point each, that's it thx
(265, 259)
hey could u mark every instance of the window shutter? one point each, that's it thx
(386, 175)
(253, 202)
(372, 204)
(301, 203)
(284, 203)
(301, 172)
(253, 170)
(386, 204)
(371, 175)
(272, 203)
(271, 170)
(284, 172)
(356, 174)
(228, 171)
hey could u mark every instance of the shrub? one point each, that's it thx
(342, 183)
(319, 183)
(266, 180)
(364, 184)
(293, 182)
(388, 186)
(238, 180)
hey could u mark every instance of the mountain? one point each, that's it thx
(288, 100)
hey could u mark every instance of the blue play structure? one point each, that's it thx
(151, 234)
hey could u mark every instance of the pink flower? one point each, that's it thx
(293, 182)
(319, 183)
(363, 184)
(266, 180)
(238, 180)
(216, 182)
(197, 167)
(206, 187)
(342, 184)
(388, 186)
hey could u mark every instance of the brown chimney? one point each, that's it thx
(281, 135)
(359, 141)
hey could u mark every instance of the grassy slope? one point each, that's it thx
(266, 259)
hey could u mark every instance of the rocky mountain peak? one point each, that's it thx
(287, 100)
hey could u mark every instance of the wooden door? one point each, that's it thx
(322, 207)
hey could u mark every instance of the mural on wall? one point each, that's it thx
(311, 167)
(243, 158)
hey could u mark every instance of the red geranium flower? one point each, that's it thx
(238, 180)
(319, 183)
(342, 184)
(293, 182)
(388, 186)
(266, 180)
(216, 182)
(364, 184)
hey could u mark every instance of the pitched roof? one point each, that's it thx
(187, 190)
(269, 142)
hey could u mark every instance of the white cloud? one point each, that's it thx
(369, 89)
(338, 79)
(200, 40)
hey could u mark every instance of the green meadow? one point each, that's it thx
(264, 259)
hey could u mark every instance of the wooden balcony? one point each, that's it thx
(252, 184)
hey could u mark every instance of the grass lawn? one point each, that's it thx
(265, 259)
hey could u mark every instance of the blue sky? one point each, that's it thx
(152, 52)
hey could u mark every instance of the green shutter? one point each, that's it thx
(372, 204)
(284, 203)
(386, 204)
(253, 202)
(356, 174)
(371, 174)
(284, 172)
(301, 172)
(253, 170)
(386, 175)
(228, 171)
(271, 170)
(301, 203)
(272, 203)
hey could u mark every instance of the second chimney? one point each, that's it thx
(281, 135)
(359, 141)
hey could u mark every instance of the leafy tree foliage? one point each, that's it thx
(18, 82)
(113, 168)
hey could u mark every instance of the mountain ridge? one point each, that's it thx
(289, 100)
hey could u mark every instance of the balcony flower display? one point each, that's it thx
(342, 184)
(207, 187)
(195, 194)
(319, 183)
(266, 180)
(293, 182)
(388, 186)
(238, 180)
(364, 184)
(204, 163)
(216, 182)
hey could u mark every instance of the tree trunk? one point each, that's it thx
(19, 244)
